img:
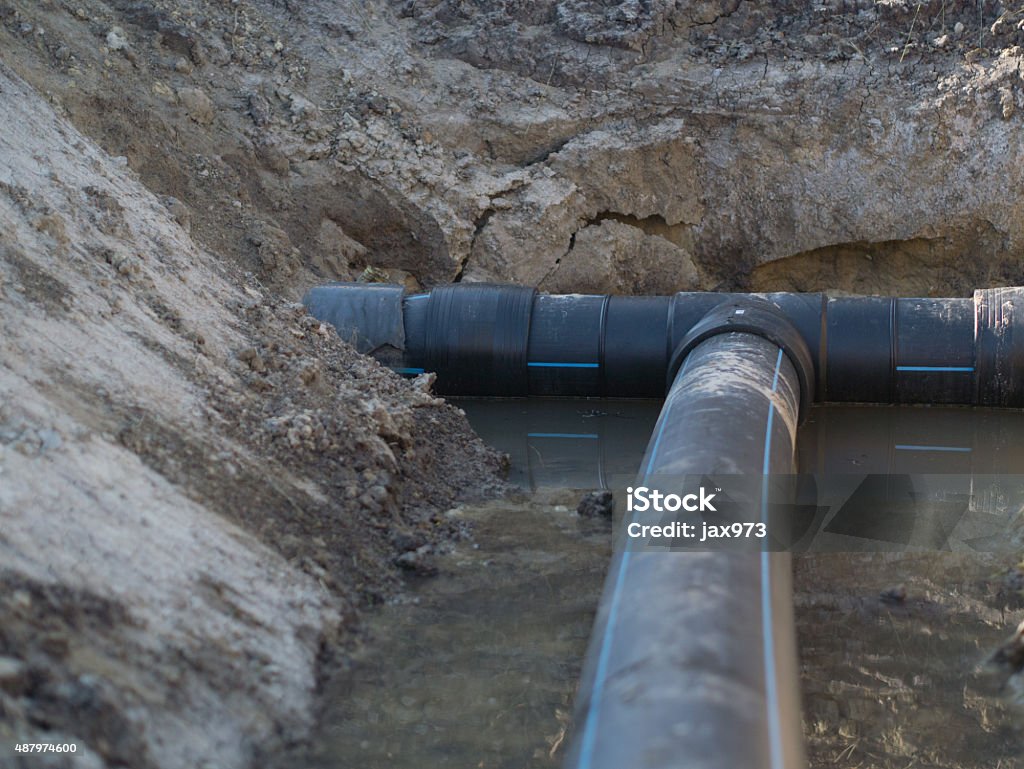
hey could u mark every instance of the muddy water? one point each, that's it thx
(903, 683)
(893, 645)
(477, 666)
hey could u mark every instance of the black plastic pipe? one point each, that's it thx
(693, 661)
(509, 340)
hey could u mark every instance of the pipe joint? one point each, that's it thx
(751, 315)
(476, 338)
(999, 346)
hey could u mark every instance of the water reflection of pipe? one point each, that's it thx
(558, 443)
(919, 477)
(592, 444)
(871, 477)
(911, 440)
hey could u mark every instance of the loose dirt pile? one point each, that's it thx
(200, 485)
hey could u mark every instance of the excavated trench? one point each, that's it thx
(247, 151)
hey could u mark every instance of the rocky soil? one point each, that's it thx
(575, 144)
(199, 485)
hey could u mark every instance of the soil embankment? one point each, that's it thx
(200, 485)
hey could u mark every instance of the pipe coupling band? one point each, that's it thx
(476, 338)
(999, 346)
(750, 315)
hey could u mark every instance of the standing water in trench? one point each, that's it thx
(478, 665)
(477, 668)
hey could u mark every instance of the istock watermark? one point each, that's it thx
(823, 512)
(688, 520)
(642, 499)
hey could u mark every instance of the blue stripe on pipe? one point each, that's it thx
(594, 711)
(768, 636)
(955, 369)
(913, 447)
(418, 296)
(590, 731)
(408, 370)
(545, 364)
(657, 444)
(562, 435)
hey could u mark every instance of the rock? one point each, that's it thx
(259, 109)
(420, 562)
(197, 53)
(371, 505)
(372, 274)
(302, 109)
(404, 278)
(116, 39)
(126, 265)
(199, 106)
(278, 257)
(823, 708)
(895, 595)
(251, 357)
(13, 675)
(596, 504)
(336, 251)
(1010, 656)
(163, 91)
(273, 158)
(613, 257)
(1007, 103)
(53, 225)
(379, 494)
(310, 374)
(50, 439)
(407, 541)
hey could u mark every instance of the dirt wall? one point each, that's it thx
(200, 485)
(450, 139)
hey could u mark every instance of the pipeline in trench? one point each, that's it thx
(696, 648)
